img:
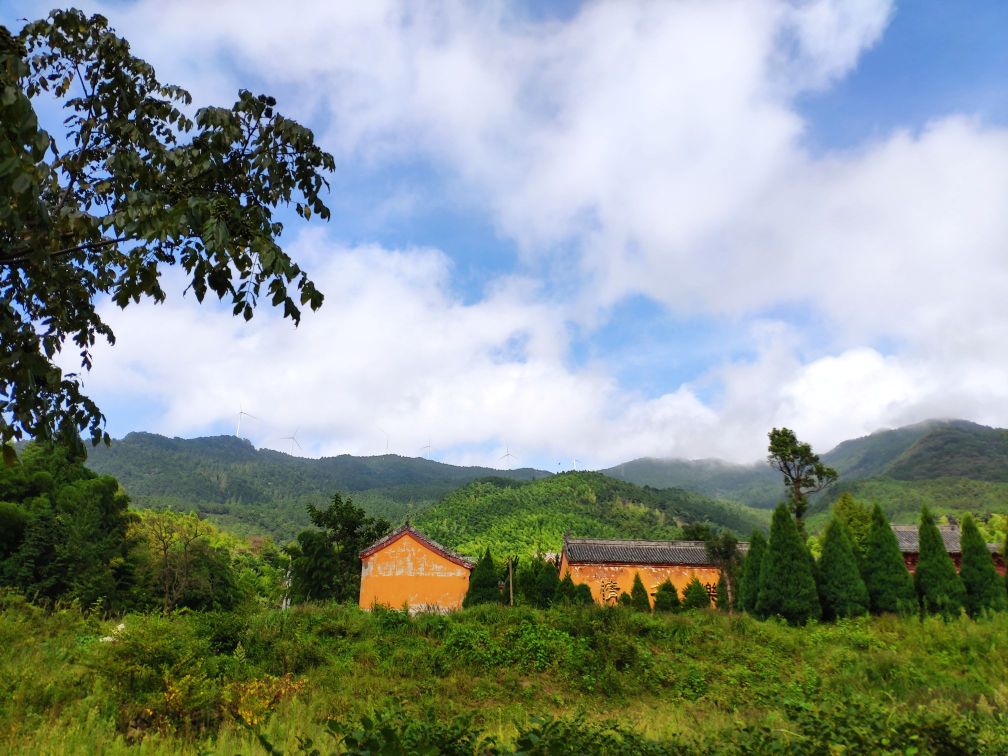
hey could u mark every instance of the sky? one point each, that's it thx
(582, 233)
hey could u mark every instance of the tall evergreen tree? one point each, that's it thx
(842, 592)
(749, 579)
(666, 598)
(939, 588)
(695, 596)
(890, 586)
(639, 596)
(985, 590)
(787, 587)
(723, 601)
(483, 581)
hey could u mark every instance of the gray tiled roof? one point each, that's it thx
(410, 530)
(617, 551)
(909, 539)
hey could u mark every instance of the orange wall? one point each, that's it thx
(408, 573)
(620, 577)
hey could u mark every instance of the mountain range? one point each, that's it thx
(950, 465)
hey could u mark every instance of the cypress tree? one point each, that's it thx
(695, 596)
(625, 599)
(749, 580)
(984, 590)
(583, 595)
(842, 592)
(787, 587)
(890, 586)
(566, 591)
(939, 588)
(483, 583)
(546, 584)
(666, 598)
(722, 595)
(639, 598)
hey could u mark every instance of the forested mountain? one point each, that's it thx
(512, 517)
(263, 491)
(950, 465)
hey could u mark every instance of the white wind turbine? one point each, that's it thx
(386, 440)
(508, 455)
(293, 439)
(242, 413)
(427, 448)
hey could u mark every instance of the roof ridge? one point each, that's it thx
(407, 527)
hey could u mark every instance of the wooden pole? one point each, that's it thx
(510, 584)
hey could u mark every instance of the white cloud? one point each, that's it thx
(661, 142)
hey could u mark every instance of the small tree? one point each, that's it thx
(856, 518)
(695, 596)
(723, 601)
(939, 588)
(639, 598)
(803, 472)
(583, 595)
(483, 587)
(750, 573)
(566, 590)
(666, 598)
(787, 586)
(985, 592)
(889, 584)
(722, 550)
(625, 599)
(842, 591)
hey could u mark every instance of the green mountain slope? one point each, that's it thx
(756, 485)
(264, 491)
(511, 517)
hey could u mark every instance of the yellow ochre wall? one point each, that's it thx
(594, 575)
(406, 572)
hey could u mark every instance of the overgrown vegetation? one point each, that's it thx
(571, 679)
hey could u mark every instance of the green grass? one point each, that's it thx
(698, 678)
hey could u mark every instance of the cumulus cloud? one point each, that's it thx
(659, 147)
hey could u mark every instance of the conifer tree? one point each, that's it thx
(749, 580)
(566, 591)
(666, 598)
(723, 604)
(695, 596)
(939, 588)
(625, 599)
(639, 598)
(890, 586)
(985, 592)
(787, 587)
(483, 583)
(842, 591)
(583, 595)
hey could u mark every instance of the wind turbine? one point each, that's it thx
(386, 440)
(507, 454)
(242, 413)
(427, 447)
(293, 439)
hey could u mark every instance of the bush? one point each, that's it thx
(667, 598)
(695, 596)
(483, 588)
(639, 598)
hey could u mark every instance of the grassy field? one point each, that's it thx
(616, 679)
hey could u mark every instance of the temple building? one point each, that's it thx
(608, 565)
(408, 569)
(909, 543)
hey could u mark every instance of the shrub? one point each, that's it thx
(639, 598)
(695, 596)
(483, 581)
(889, 584)
(787, 586)
(938, 586)
(984, 589)
(842, 592)
(666, 598)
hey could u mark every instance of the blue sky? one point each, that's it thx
(601, 230)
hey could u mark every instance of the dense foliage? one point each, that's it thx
(252, 491)
(179, 683)
(939, 588)
(533, 517)
(695, 595)
(749, 573)
(842, 591)
(483, 583)
(131, 186)
(803, 472)
(639, 598)
(326, 563)
(984, 588)
(787, 586)
(890, 586)
(667, 597)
